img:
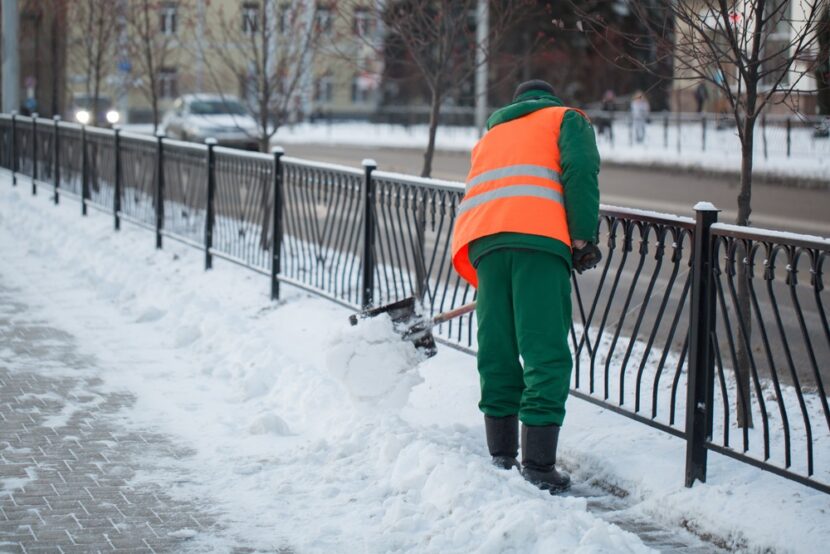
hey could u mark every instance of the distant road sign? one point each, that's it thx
(125, 66)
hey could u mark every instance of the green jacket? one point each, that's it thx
(580, 169)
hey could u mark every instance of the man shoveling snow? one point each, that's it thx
(528, 217)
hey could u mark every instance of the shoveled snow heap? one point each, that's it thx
(315, 436)
(376, 367)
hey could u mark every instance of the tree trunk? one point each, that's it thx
(435, 111)
(155, 108)
(823, 69)
(53, 59)
(743, 369)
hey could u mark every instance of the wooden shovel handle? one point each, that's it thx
(452, 314)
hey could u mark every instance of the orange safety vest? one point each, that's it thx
(513, 186)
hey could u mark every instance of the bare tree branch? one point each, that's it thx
(269, 57)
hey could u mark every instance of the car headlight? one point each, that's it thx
(82, 116)
(113, 116)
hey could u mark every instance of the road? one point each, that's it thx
(774, 206)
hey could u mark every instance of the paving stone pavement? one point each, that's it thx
(65, 466)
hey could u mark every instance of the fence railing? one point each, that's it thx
(698, 329)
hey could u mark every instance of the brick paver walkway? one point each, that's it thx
(65, 466)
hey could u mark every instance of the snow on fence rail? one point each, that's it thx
(682, 312)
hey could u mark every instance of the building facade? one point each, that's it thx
(326, 55)
(786, 66)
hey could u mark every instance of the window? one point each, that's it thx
(250, 18)
(324, 90)
(216, 107)
(167, 18)
(363, 88)
(363, 24)
(776, 45)
(322, 19)
(168, 82)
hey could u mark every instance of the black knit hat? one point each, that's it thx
(535, 84)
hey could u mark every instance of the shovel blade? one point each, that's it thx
(406, 321)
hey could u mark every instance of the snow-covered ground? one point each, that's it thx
(314, 435)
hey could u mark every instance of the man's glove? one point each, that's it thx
(586, 257)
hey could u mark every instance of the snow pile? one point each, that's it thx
(311, 435)
(374, 364)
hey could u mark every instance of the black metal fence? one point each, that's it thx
(683, 313)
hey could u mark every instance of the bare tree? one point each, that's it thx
(755, 52)
(93, 36)
(438, 38)
(267, 49)
(152, 30)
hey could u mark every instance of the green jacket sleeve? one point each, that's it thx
(580, 171)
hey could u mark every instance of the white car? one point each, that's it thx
(196, 117)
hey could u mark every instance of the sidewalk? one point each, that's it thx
(65, 461)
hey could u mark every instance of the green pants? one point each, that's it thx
(524, 308)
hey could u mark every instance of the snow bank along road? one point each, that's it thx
(300, 433)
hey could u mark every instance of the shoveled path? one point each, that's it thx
(66, 466)
(66, 463)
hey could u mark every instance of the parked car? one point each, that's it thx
(195, 117)
(83, 107)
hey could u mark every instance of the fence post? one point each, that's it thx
(611, 128)
(84, 172)
(789, 136)
(211, 191)
(159, 186)
(56, 165)
(368, 282)
(666, 131)
(679, 132)
(703, 130)
(699, 391)
(276, 223)
(34, 153)
(13, 146)
(764, 134)
(116, 202)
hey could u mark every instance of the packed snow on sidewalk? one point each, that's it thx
(312, 435)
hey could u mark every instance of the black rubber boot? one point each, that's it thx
(539, 458)
(503, 440)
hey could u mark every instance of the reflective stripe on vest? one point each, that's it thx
(513, 171)
(507, 192)
(514, 186)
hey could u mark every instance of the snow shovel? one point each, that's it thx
(411, 325)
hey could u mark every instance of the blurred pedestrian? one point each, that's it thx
(529, 216)
(701, 96)
(606, 120)
(640, 110)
